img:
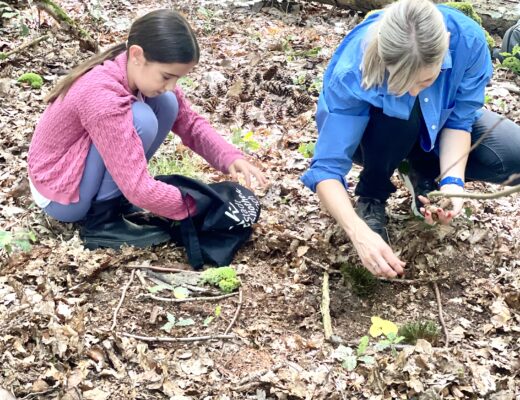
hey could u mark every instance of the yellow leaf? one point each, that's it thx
(382, 326)
(388, 327)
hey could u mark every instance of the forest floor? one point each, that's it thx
(57, 300)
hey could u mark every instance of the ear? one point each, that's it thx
(136, 55)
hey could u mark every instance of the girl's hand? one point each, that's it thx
(433, 213)
(245, 168)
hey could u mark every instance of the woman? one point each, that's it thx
(407, 83)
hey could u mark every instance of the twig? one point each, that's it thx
(163, 269)
(480, 139)
(237, 312)
(248, 379)
(441, 316)
(325, 307)
(187, 299)
(324, 268)
(114, 319)
(413, 281)
(4, 56)
(488, 196)
(177, 339)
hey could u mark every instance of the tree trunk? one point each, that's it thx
(497, 15)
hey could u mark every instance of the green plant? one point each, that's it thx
(512, 60)
(186, 83)
(216, 314)
(224, 277)
(34, 80)
(244, 140)
(307, 149)
(11, 242)
(181, 162)
(412, 331)
(350, 359)
(362, 281)
(172, 321)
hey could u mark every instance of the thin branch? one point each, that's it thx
(163, 269)
(177, 339)
(187, 299)
(116, 311)
(441, 316)
(414, 281)
(237, 312)
(480, 139)
(485, 196)
(325, 307)
(22, 47)
(243, 384)
(324, 268)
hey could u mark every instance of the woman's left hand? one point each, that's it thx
(443, 216)
(247, 169)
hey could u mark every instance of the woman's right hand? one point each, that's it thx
(375, 254)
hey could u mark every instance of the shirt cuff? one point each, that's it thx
(311, 178)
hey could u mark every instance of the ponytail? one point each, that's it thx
(64, 84)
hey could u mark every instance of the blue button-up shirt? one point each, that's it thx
(453, 101)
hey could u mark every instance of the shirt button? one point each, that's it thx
(434, 127)
(426, 99)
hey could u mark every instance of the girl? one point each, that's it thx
(107, 118)
(408, 82)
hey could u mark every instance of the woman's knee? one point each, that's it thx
(145, 123)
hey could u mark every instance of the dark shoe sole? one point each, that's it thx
(93, 243)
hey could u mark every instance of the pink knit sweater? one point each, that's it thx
(97, 109)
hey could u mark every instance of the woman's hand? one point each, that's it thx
(433, 213)
(245, 168)
(375, 254)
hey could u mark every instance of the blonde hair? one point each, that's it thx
(409, 36)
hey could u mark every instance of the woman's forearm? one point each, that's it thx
(454, 151)
(336, 200)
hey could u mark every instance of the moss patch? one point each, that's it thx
(225, 278)
(34, 80)
(363, 283)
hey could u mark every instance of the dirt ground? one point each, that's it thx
(57, 300)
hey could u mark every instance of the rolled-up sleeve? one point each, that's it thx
(341, 118)
(471, 92)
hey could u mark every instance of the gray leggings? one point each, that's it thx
(153, 121)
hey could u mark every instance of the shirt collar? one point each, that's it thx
(447, 62)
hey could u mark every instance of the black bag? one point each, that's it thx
(226, 212)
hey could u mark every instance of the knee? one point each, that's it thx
(145, 122)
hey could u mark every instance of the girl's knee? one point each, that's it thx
(67, 213)
(166, 104)
(145, 122)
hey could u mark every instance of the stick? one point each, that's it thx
(237, 312)
(187, 299)
(254, 376)
(177, 339)
(114, 319)
(488, 196)
(413, 281)
(163, 269)
(325, 307)
(441, 317)
(317, 264)
(22, 47)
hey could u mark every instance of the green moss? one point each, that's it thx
(412, 331)
(362, 281)
(511, 60)
(35, 80)
(224, 277)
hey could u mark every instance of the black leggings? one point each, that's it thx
(387, 141)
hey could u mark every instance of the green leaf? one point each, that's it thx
(180, 292)
(391, 336)
(350, 363)
(160, 287)
(170, 324)
(218, 310)
(363, 344)
(5, 238)
(171, 318)
(382, 345)
(399, 339)
(342, 352)
(185, 322)
(368, 360)
(208, 320)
